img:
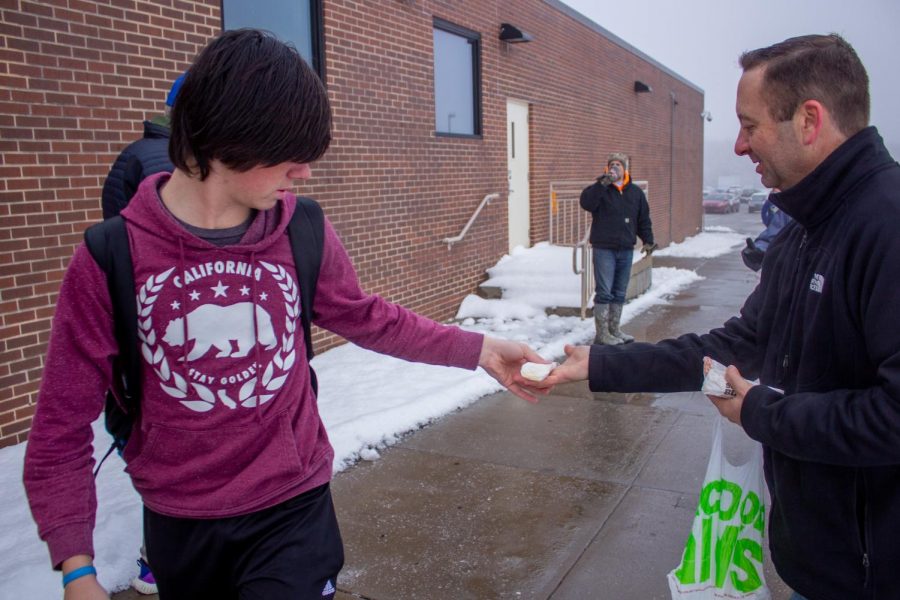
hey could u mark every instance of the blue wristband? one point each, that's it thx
(77, 573)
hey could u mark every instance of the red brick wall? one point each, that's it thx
(76, 80)
(77, 77)
(581, 86)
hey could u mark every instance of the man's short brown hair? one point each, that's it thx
(814, 67)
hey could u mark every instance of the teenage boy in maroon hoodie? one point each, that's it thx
(229, 455)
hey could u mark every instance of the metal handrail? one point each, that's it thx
(587, 272)
(581, 245)
(452, 240)
(565, 212)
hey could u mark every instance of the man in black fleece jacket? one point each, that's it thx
(821, 326)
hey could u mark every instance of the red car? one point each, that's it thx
(721, 203)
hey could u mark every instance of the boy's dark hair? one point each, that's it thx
(249, 100)
(814, 67)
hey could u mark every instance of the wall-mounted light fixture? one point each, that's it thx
(706, 115)
(513, 35)
(640, 87)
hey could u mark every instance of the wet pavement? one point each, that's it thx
(582, 496)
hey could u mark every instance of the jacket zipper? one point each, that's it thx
(786, 359)
(863, 520)
(865, 562)
(624, 215)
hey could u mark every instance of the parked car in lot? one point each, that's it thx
(721, 202)
(756, 202)
(747, 193)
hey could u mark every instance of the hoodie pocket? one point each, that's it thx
(211, 472)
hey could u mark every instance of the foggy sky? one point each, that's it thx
(701, 40)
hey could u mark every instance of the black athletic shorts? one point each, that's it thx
(292, 551)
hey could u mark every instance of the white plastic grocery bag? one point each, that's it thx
(723, 556)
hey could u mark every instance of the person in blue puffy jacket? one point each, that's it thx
(140, 159)
(775, 220)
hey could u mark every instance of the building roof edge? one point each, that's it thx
(568, 10)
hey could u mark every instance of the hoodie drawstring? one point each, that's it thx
(256, 357)
(184, 316)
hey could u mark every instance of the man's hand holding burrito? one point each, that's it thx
(730, 408)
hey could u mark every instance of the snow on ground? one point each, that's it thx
(713, 241)
(384, 399)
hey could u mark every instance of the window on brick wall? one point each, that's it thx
(297, 22)
(457, 80)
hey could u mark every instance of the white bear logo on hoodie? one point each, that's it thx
(211, 325)
(254, 354)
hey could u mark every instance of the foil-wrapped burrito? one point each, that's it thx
(714, 383)
(537, 371)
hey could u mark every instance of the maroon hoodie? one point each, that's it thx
(229, 422)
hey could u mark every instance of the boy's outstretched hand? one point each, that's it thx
(503, 361)
(575, 368)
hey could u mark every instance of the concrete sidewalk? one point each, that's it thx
(581, 496)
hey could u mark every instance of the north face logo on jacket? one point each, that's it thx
(817, 283)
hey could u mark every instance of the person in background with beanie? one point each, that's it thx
(140, 159)
(620, 214)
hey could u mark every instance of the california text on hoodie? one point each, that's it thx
(229, 423)
(822, 325)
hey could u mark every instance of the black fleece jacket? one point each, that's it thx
(823, 326)
(618, 217)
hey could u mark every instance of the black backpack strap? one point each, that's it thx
(307, 234)
(107, 242)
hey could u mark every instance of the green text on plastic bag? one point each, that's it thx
(724, 502)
